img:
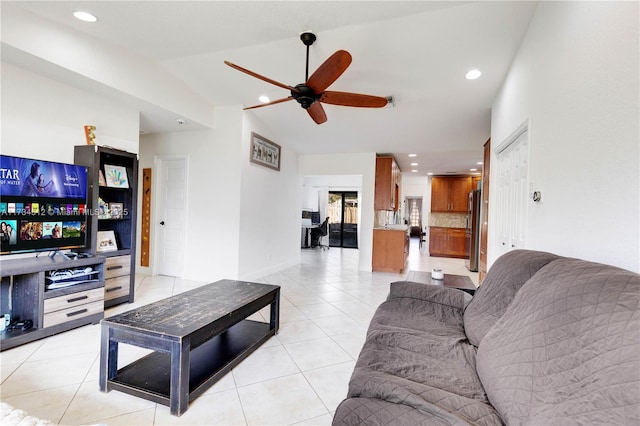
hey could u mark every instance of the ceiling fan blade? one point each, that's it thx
(261, 77)
(317, 113)
(353, 99)
(329, 71)
(277, 101)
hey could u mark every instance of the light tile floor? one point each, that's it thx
(298, 377)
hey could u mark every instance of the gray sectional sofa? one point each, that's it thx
(546, 340)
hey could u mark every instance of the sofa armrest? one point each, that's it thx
(431, 293)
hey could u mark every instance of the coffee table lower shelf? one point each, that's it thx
(150, 376)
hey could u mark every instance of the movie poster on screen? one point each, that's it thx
(38, 178)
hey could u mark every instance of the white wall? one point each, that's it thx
(269, 208)
(575, 79)
(86, 60)
(213, 199)
(349, 164)
(243, 219)
(44, 119)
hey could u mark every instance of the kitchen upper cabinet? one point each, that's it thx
(450, 194)
(388, 181)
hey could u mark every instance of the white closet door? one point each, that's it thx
(172, 216)
(511, 209)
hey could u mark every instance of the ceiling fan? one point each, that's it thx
(312, 93)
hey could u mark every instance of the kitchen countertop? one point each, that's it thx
(392, 228)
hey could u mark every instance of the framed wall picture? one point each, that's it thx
(116, 176)
(117, 210)
(106, 241)
(265, 152)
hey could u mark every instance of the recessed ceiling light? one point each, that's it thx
(414, 171)
(473, 74)
(414, 164)
(85, 16)
(473, 170)
(429, 174)
(264, 99)
(413, 155)
(479, 163)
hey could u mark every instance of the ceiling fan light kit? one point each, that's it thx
(311, 94)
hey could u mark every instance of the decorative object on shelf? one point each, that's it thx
(106, 241)
(265, 152)
(116, 176)
(101, 179)
(103, 209)
(116, 210)
(89, 135)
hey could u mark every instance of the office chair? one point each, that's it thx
(317, 233)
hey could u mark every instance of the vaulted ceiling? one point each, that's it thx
(418, 52)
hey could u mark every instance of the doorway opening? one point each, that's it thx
(413, 215)
(343, 219)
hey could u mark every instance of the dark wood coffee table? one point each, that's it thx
(461, 282)
(197, 337)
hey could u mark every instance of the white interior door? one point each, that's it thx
(171, 217)
(511, 209)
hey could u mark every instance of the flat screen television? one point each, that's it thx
(43, 205)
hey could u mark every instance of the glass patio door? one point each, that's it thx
(343, 219)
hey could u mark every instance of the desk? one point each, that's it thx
(306, 235)
(461, 282)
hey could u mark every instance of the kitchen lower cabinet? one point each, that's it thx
(390, 250)
(448, 242)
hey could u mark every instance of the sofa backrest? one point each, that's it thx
(567, 350)
(506, 276)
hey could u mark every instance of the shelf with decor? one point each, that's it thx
(112, 227)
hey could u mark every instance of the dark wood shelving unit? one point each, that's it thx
(120, 264)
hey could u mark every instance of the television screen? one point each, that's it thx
(42, 205)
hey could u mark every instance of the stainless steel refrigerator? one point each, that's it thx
(473, 230)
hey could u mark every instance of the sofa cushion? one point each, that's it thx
(504, 279)
(566, 351)
(377, 412)
(416, 354)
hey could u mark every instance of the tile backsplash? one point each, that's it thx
(448, 220)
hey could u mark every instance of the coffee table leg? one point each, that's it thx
(179, 392)
(274, 322)
(108, 358)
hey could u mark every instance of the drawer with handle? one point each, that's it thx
(116, 287)
(72, 300)
(72, 313)
(117, 266)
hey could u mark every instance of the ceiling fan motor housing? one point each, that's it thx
(304, 95)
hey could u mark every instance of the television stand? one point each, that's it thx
(24, 295)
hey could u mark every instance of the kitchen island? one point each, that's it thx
(390, 248)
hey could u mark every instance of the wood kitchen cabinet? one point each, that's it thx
(390, 250)
(448, 242)
(450, 194)
(388, 181)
